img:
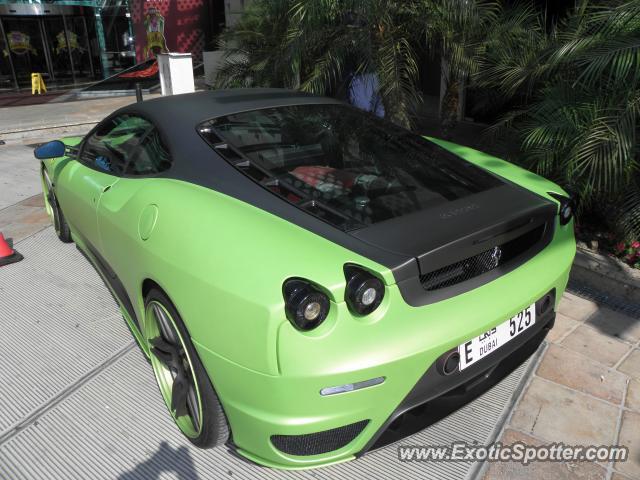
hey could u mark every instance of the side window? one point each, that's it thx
(111, 146)
(151, 157)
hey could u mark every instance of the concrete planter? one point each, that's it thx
(607, 274)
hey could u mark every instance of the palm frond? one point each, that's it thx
(629, 212)
(397, 70)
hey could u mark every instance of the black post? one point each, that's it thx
(138, 92)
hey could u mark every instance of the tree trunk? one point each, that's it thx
(452, 99)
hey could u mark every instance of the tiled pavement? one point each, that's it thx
(24, 218)
(585, 391)
(41, 119)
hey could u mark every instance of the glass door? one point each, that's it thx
(6, 72)
(61, 64)
(80, 49)
(26, 48)
(71, 58)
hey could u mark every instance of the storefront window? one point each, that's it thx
(83, 63)
(64, 41)
(117, 36)
(61, 66)
(6, 74)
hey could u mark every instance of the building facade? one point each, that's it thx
(73, 43)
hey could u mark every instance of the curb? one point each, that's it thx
(53, 131)
(480, 468)
(607, 275)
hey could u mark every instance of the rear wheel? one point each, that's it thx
(59, 223)
(183, 381)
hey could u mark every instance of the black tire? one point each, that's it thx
(60, 224)
(63, 231)
(215, 428)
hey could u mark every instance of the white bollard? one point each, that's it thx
(176, 73)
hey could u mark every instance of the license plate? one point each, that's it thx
(479, 347)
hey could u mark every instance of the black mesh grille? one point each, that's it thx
(482, 262)
(320, 442)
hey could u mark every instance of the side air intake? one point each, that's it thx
(319, 442)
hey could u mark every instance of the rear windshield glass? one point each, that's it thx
(346, 166)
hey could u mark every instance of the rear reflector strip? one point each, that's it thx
(350, 387)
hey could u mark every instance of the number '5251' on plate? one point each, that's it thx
(479, 347)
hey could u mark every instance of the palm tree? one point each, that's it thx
(257, 51)
(357, 37)
(459, 32)
(578, 95)
(319, 45)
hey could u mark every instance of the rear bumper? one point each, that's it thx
(271, 415)
(435, 396)
(293, 442)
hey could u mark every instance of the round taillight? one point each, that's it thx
(566, 210)
(364, 291)
(306, 307)
(566, 213)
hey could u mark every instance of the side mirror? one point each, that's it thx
(52, 149)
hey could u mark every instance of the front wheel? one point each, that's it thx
(184, 384)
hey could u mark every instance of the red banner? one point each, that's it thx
(150, 71)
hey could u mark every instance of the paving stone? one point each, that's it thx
(596, 345)
(633, 395)
(19, 171)
(568, 368)
(20, 221)
(631, 365)
(562, 326)
(558, 414)
(546, 470)
(630, 437)
(616, 324)
(35, 201)
(618, 476)
(576, 307)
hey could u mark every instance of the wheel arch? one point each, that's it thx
(194, 358)
(149, 284)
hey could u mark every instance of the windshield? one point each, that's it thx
(346, 166)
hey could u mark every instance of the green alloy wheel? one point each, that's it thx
(183, 383)
(59, 223)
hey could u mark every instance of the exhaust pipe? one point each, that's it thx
(449, 362)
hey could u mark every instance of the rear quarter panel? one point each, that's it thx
(222, 262)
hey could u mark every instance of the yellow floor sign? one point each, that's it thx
(37, 83)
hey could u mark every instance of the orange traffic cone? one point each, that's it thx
(7, 254)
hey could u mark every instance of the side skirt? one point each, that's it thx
(116, 288)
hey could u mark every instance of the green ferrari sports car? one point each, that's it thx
(309, 281)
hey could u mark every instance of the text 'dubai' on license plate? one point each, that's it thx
(479, 347)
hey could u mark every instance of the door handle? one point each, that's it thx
(106, 189)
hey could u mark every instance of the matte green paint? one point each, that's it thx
(223, 262)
